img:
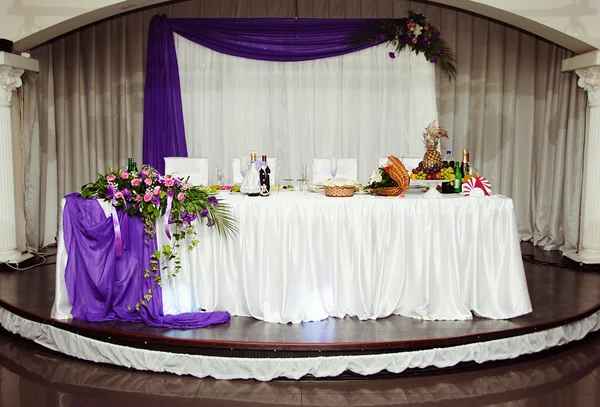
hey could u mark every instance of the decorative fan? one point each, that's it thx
(477, 186)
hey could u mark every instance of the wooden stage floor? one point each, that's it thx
(559, 296)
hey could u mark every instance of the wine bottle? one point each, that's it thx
(129, 164)
(265, 182)
(465, 168)
(458, 179)
(135, 167)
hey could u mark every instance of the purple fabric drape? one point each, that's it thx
(101, 286)
(283, 40)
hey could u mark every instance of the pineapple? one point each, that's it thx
(431, 139)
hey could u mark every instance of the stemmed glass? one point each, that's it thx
(219, 173)
(304, 176)
(244, 161)
(333, 164)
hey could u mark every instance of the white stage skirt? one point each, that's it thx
(303, 257)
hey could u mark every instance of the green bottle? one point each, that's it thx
(458, 181)
(129, 164)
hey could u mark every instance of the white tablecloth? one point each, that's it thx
(304, 257)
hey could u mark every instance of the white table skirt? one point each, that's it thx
(304, 257)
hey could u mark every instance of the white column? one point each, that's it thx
(10, 79)
(589, 241)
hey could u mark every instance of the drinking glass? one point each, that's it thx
(333, 164)
(304, 176)
(219, 173)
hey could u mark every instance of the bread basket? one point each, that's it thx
(339, 191)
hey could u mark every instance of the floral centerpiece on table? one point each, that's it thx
(417, 34)
(150, 195)
(391, 179)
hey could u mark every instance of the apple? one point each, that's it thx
(438, 175)
(428, 176)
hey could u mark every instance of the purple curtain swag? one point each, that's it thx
(282, 40)
(102, 287)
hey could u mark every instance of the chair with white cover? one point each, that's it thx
(409, 162)
(347, 168)
(321, 170)
(196, 168)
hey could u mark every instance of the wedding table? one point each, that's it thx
(301, 256)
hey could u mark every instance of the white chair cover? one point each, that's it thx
(347, 168)
(321, 170)
(182, 167)
(409, 162)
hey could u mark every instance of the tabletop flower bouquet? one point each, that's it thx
(150, 195)
(390, 180)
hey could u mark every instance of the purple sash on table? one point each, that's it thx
(101, 286)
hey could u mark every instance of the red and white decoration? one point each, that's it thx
(478, 186)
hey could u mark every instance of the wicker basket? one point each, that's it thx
(389, 191)
(339, 191)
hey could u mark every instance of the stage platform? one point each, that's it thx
(566, 308)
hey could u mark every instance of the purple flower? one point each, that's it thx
(204, 213)
(436, 35)
(188, 217)
(210, 223)
(439, 52)
(426, 39)
(214, 201)
(433, 59)
(392, 55)
(127, 194)
(155, 200)
(110, 192)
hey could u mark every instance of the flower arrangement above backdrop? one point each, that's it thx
(417, 34)
(150, 195)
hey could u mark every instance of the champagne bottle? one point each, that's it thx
(458, 180)
(465, 168)
(129, 164)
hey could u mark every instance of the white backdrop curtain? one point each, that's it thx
(521, 118)
(360, 105)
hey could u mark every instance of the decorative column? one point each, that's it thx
(589, 240)
(11, 68)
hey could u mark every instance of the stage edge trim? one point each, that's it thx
(264, 369)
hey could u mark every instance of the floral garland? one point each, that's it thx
(150, 195)
(416, 33)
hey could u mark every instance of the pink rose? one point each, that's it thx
(426, 28)
(185, 187)
(411, 26)
(135, 182)
(147, 197)
(156, 190)
(138, 198)
(111, 177)
(119, 195)
(148, 181)
(124, 175)
(414, 40)
(169, 182)
(180, 196)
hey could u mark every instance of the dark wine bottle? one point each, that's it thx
(129, 164)
(265, 175)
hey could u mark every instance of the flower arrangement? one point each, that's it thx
(418, 34)
(150, 195)
(381, 178)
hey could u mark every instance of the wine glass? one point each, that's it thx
(219, 173)
(304, 176)
(333, 165)
(244, 161)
